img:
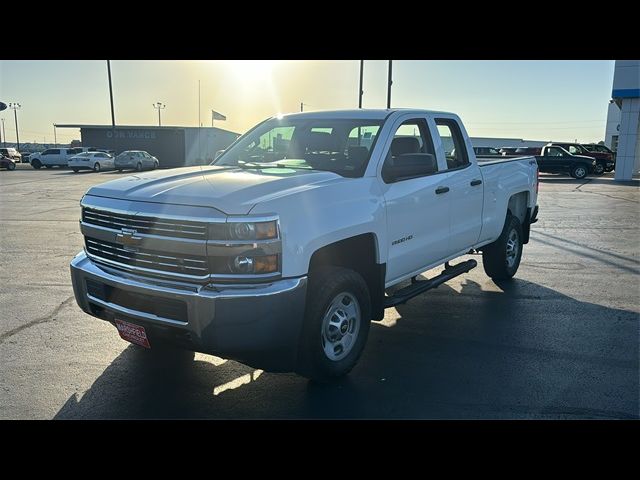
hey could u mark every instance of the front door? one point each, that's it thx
(417, 215)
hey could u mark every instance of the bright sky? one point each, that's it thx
(536, 100)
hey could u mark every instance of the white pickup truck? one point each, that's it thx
(281, 252)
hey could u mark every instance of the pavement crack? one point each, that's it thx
(46, 318)
(609, 196)
(583, 184)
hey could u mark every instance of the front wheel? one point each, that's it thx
(336, 324)
(579, 172)
(11, 166)
(75, 170)
(96, 167)
(139, 167)
(501, 258)
(36, 164)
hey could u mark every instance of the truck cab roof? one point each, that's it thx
(361, 113)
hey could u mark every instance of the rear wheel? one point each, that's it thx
(11, 166)
(36, 164)
(96, 167)
(501, 258)
(579, 172)
(139, 167)
(336, 324)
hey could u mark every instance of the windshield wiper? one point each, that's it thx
(253, 165)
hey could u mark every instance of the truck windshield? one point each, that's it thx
(341, 146)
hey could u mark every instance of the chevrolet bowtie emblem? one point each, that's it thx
(128, 238)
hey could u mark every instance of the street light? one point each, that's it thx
(159, 106)
(15, 107)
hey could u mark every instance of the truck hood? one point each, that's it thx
(231, 190)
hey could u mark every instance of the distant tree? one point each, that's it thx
(601, 142)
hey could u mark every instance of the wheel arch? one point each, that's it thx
(360, 253)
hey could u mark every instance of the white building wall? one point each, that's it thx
(613, 125)
(626, 93)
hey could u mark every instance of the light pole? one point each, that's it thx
(55, 136)
(159, 106)
(15, 107)
(302, 106)
(113, 115)
(389, 82)
(4, 135)
(361, 91)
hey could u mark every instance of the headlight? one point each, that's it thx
(244, 231)
(241, 248)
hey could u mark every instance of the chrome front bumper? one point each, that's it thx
(258, 324)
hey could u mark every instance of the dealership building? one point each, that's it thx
(622, 132)
(172, 146)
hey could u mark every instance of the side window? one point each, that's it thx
(454, 148)
(554, 152)
(411, 150)
(574, 150)
(51, 151)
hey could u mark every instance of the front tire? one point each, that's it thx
(336, 324)
(36, 164)
(579, 172)
(75, 170)
(11, 166)
(501, 258)
(599, 169)
(139, 167)
(96, 167)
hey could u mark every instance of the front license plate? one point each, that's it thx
(132, 333)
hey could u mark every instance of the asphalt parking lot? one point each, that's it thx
(560, 341)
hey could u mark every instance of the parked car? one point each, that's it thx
(596, 147)
(95, 161)
(555, 159)
(486, 151)
(26, 157)
(604, 161)
(528, 151)
(136, 160)
(53, 157)
(11, 153)
(8, 163)
(508, 150)
(280, 258)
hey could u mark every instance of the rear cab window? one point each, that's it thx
(455, 149)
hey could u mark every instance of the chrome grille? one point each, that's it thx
(143, 224)
(191, 265)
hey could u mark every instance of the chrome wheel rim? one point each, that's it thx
(340, 326)
(513, 246)
(580, 172)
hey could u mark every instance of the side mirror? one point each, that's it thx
(408, 165)
(218, 153)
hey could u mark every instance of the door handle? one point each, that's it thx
(475, 182)
(440, 190)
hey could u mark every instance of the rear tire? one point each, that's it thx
(96, 167)
(501, 258)
(11, 166)
(336, 324)
(36, 164)
(599, 169)
(139, 167)
(579, 172)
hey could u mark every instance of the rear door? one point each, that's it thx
(465, 186)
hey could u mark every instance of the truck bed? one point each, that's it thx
(492, 160)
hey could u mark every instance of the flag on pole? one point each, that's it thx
(217, 116)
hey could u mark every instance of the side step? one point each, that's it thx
(420, 286)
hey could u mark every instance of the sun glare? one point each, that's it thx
(253, 70)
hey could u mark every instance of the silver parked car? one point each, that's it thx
(136, 160)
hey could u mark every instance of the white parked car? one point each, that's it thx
(95, 161)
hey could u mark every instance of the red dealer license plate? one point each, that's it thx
(132, 333)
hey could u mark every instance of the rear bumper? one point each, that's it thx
(258, 325)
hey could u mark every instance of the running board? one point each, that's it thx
(420, 286)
